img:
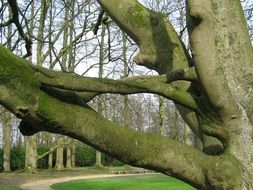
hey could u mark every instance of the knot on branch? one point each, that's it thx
(22, 112)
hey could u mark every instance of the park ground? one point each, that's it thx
(64, 180)
(12, 180)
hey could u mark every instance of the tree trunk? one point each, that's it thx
(126, 109)
(100, 75)
(59, 153)
(73, 154)
(31, 154)
(31, 142)
(6, 119)
(162, 116)
(69, 154)
(50, 160)
(175, 133)
(45, 4)
(229, 59)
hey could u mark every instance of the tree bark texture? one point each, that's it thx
(31, 154)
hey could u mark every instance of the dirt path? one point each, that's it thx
(45, 184)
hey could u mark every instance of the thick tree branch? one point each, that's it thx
(160, 47)
(132, 85)
(20, 93)
(210, 27)
(114, 140)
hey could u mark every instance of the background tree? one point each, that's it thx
(31, 141)
(6, 119)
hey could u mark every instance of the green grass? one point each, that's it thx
(147, 182)
(9, 187)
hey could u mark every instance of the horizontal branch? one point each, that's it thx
(132, 85)
(134, 148)
(76, 98)
(20, 93)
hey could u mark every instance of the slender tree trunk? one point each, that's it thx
(176, 126)
(50, 160)
(100, 75)
(73, 154)
(65, 44)
(6, 119)
(31, 141)
(50, 156)
(69, 154)
(126, 111)
(43, 13)
(71, 54)
(31, 154)
(59, 153)
(162, 116)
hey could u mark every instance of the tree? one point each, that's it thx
(98, 162)
(69, 155)
(6, 120)
(211, 86)
(31, 141)
(59, 153)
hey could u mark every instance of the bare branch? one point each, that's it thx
(15, 19)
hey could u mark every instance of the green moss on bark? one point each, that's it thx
(17, 79)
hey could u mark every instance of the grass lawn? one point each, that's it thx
(148, 182)
(9, 187)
